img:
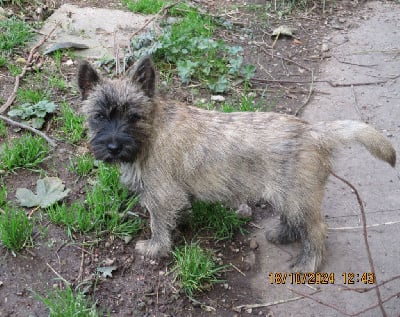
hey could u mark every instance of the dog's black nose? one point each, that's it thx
(113, 148)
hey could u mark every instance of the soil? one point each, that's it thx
(294, 75)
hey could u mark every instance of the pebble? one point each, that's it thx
(218, 98)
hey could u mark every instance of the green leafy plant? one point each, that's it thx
(223, 222)
(13, 34)
(34, 114)
(49, 190)
(187, 43)
(68, 303)
(15, 229)
(195, 268)
(72, 124)
(144, 6)
(25, 152)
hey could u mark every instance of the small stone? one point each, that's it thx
(226, 285)
(324, 47)
(21, 61)
(69, 62)
(253, 244)
(249, 311)
(218, 98)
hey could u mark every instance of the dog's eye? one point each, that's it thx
(134, 117)
(100, 116)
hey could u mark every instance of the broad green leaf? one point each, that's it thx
(49, 190)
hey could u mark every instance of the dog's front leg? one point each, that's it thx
(163, 214)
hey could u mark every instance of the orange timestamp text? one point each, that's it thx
(320, 278)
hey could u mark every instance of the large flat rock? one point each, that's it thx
(105, 31)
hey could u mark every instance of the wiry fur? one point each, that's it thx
(171, 154)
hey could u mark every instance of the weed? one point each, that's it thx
(215, 217)
(72, 124)
(3, 129)
(195, 268)
(67, 303)
(14, 70)
(106, 208)
(13, 34)
(82, 164)
(3, 60)
(57, 82)
(15, 229)
(188, 45)
(3, 195)
(25, 152)
(144, 6)
(33, 114)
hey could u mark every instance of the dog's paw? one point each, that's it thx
(282, 234)
(150, 249)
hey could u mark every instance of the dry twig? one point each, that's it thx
(365, 234)
(29, 128)
(58, 275)
(159, 13)
(277, 302)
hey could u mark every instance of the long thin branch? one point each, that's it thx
(13, 95)
(365, 234)
(27, 127)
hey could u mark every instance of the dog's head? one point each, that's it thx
(119, 112)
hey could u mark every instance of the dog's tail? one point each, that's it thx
(335, 133)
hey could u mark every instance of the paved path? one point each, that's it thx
(370, 53)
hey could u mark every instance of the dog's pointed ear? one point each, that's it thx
(144, 75)
(87, 78)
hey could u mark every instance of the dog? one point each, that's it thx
(171, 154)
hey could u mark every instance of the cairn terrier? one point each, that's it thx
(171, 154)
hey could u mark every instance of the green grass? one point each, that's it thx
(3, 129)
(28, 95)
(216, 218)
(3, 60)
(195, 268)
(14, 70)
(15, 229)
(25, 152)
(72, 124)
(144, 6)
(13, 34)
(82, 165)
(106, 208)
(67, 303)
(3, 195)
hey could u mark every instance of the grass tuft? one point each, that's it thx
(106, 208)
(144, 6)
(82, 165)
(67, 303)
(195, 268)
(72, 124)
(13, 34)
(25, 152)
(223, 222)
(15, 229)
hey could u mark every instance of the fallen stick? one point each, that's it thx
(29, 128)
(277, 302)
